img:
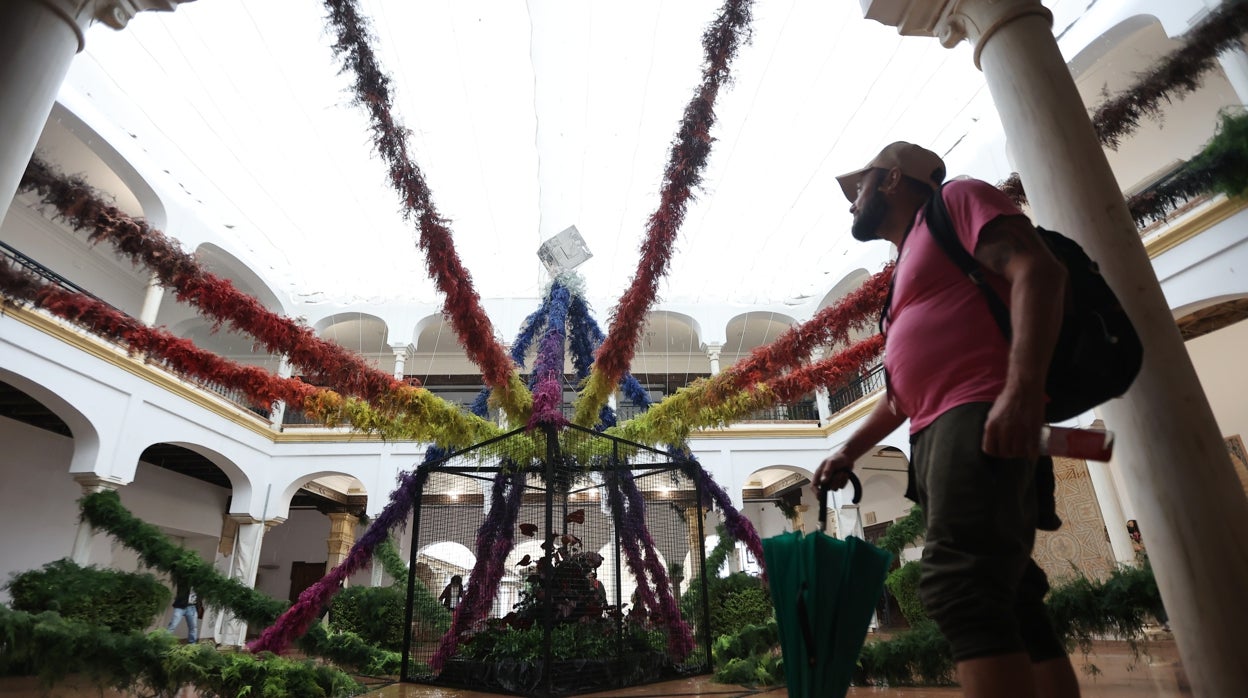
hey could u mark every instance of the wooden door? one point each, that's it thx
(304, 575)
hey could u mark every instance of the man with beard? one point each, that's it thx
(975, 401)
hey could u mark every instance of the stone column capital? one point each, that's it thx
(91, 483)
(952, 21)
(403, 349)
(248, 519)
(79, 14)
(977, 20)
(118, 13)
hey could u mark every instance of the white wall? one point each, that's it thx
(1219, 360)
(38, 507)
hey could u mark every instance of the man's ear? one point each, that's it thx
(892, 178)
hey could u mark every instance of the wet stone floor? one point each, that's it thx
(1121, 675)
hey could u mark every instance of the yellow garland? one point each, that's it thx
(406, 414)
(514, 399)
(593, 396)
(672, 420)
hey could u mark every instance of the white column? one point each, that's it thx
(1190, 506)
(821, 394)
(85, 536)
(401, 352)
(278, 413)
(151, 301)
(38, 40)
(1110, 502)
(712, 355)
(1235, 65)
(243, 568)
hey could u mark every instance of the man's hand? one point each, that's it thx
(1012, 429)
(832, 473)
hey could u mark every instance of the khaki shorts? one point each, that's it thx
(978, 580)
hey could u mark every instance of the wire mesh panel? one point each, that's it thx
(573, 550)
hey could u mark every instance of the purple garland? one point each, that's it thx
(739, 527)
(679, 636)
(495, 539)
(548, 368)
(629, 543)
(312, 602)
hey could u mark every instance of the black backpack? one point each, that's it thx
(1098, 352)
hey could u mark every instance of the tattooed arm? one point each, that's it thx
(1010, 247)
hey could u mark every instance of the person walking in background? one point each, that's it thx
(185, 605)
(453, 593)
(975, 401)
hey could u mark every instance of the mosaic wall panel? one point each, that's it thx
(1235, 446)
(1081, 541)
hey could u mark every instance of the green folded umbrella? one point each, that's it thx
(825, 591)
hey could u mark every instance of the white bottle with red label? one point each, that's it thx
(1088, 444)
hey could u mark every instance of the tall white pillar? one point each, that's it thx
(151, 301)
(1190, 506)
(243, 568)
(85, 536)
(1110, 502)
(38, 40)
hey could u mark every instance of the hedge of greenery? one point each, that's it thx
(750, 657)
(99, 597)
(53, 647)
(104, 511)
(920, 655)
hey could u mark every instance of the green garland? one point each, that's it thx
(104, 511)
(52, 647)
(387, 555)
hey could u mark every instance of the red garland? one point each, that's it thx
(829, 326)
(372, 90)
(216, 298)
(683, 173)
(832, 371)
(180, 355)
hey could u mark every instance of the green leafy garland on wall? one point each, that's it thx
(104, 511)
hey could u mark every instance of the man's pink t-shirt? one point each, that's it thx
(943, 347)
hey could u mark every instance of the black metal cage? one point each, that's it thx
(562, 522)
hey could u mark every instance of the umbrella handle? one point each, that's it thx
(823, 498)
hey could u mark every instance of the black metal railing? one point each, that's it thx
(857, 389)
(45, 273)
(232, 395)
(805, 411)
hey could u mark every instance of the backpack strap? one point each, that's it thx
(941, 224)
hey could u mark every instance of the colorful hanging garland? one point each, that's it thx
(462, 304)
(673, 419)
(179, 354)
(313, 601)
(548, 368)
(682, 175)
(495, 539)
(85, 210)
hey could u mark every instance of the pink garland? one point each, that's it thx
(683, 173)
(372, 91)
(216, 298)
(180, 355)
